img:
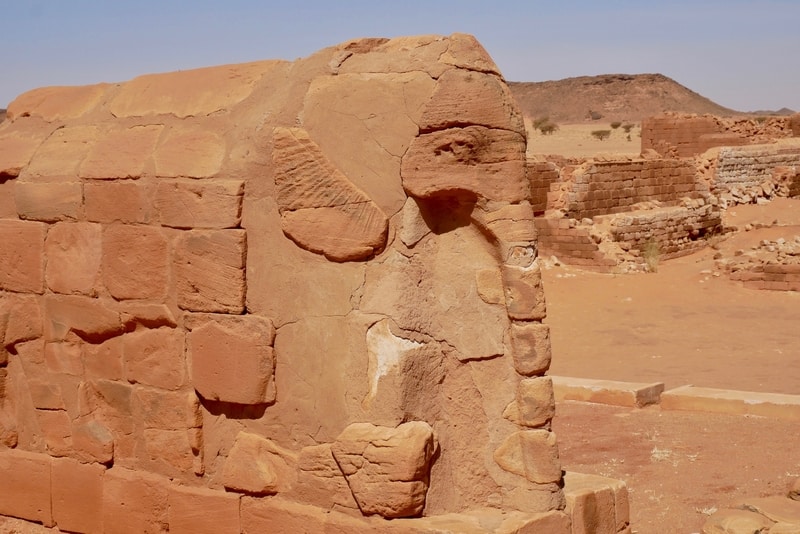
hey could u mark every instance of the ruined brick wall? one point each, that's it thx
(276, 297)
(604, 187)
(771, 276)
(541, 175)
(673, 231)
(686, 136)
(752, 166)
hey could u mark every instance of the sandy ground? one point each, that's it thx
(576, 140)
(681, 325)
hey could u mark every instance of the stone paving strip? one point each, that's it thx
(630, 394)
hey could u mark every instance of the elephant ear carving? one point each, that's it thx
(321, 210)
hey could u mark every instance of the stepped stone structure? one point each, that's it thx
(277, 297)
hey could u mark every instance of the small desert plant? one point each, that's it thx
(627, 127)
(616, 124)
(548, 128)
(594, 115)
(760, 120)
(601, 134)
(651, 254)
(537, 123)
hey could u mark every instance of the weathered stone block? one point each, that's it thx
(186, 152)
(193, 510)
(193, 204)
(534, 405)
(524, 292)
(60, 155)
(386, 468)
(57, 431)
(121, 153)
(134, 502)
(77, 495)
(26, 486)
(258, 466)
(57, 103)
(196, 92)
(487, 162)
(232, 360)
(167, 410)
(532, 454)
(49, 202)
(92, 442)
(23, 319)
(73, 257)
(155, 357)
(209, 270)
(102, 202)
(87, 317)
(16, 150)
(135, 264)
(530, 347)
(321, 210)
(103, 360)
(22, 256)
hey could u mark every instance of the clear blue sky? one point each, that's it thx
(741, 54)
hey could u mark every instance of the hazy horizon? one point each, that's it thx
(733, 52)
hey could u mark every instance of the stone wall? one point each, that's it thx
(685, 136)
(541, 175)
(773, 276)
(604, 187)
(753, 165)
(240, 298)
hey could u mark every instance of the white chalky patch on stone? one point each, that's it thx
(385, 352)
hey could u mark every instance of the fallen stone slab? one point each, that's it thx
(631, 394)
(778, 509)
(692, 398)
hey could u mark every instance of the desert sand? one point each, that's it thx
(687, 323)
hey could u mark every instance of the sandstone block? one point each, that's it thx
(174, 453)
(386, 468)
(530, 347)
(775, 405)
(167, 410)
(532, 454)
(596, 504)
(534, 405)
(101, 202)
(49, 202)
(232, 360)
(92, 442)
(87, 317)
(189, 153)
(60, 155)
(77, 495)
(121, 153)
(489, 163)
(135, 262)
(777, 508)
(103, 360)
(57, 103)
(209, 270)
(192, 204)
(22, 256)
(155, 357)
(57, 431)
(73, 253)
(23, 319)
(8, 206)
(200, 510)
(726, 521)
(524, 292)
(16, 150)
(321, 210)
(26, 486)
(320, 482)
(258, 466)
(633, 394)
(465, 97)
(134, 502)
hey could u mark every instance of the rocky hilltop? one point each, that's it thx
(621, 97)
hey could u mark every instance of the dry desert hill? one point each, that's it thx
(613, 97)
